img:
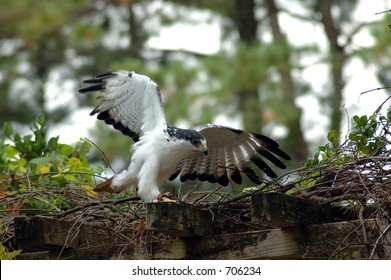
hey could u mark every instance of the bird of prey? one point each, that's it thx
(132, 104)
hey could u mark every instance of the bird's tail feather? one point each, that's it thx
(105, 186)
(112, 186)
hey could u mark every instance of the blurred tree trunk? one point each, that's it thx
(136, 33)
(243, 15)
(296, 144)
(338, 59)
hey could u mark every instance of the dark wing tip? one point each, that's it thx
(92, 88)
(106, 75)
(263, 166)
(98, 82)
(278, 152)
(236, 177)
(272, 146)
(103, 116)
(188, 177)
(173, 176)
(93, 81)
(207, 177)
(202, 177)
(284, 155)
(269, 156)
(252, 176)
(223, 180)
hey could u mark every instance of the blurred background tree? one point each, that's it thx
(255, 78)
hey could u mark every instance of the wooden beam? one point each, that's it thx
(334, 239)
(48, 232)
(179, 219)
(173, 249)
(280, 210)
(314, 241)
(107, 251)
(263, 244)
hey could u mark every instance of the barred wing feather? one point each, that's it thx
(230, 153)
(131, 102)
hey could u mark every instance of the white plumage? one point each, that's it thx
(133, 105)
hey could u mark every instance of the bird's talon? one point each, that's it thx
(165, 197)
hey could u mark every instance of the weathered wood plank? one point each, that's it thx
(174, 249)
(333, 239)
(44, 231)
(178, 219)
(102, 252)
(263, 244)
(280, 210)
(313, 241)
(320, 241)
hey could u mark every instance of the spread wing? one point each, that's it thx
(230, 152)
(131, 102)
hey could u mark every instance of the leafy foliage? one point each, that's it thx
(42, 176)
(31, 163)
(370, 136)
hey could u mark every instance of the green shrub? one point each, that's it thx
(33, 163)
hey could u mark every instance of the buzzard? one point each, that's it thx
(132, 104)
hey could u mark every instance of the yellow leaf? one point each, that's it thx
(90, 191)
(44, 168)
(74, 161)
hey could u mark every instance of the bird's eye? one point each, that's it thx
(195, 142)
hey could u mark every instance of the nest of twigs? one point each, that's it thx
(347, 177)
(361, 185)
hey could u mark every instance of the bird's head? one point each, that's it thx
(189, 137)
(199, 144)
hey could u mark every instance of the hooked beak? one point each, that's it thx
(205, 150)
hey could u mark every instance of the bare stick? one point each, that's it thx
(382, 12)
(379, 88)
(378, 240)
(106, 161)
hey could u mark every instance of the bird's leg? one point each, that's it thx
(148, 190)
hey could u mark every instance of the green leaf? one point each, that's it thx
(352, 136)
(60, 158)
(53, 143)
(8, 130)
(84, 147)
(12, 255)
(11, 151)
(21, 162)
(332, 136)
(98, 169)
(66, 150)
(69, 177)
(41, 119)
(4, 255)
(250, 189)
(363, 120)
(40, 161)
(17, 138)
